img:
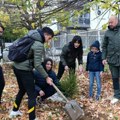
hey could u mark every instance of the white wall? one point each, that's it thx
(96, 21)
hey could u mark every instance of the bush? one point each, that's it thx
(69, 84)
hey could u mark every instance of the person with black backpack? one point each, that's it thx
(24, 71)
(2, 81)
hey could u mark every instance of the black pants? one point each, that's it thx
(115, 71)
(2, 82)
(48, 90)
(62, 68)
(25, 80)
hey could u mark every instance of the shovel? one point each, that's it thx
(72, 108)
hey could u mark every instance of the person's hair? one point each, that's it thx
(114, 16)
(48, 31)
(2, 26)
(45, 62)
(77, 38)
(79, 50)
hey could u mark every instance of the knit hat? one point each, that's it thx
(96, 44)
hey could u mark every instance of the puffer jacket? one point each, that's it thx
(37, 51)
(94, 62)
(111, 46)
(67, 58)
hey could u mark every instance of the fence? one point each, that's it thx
(60, 40)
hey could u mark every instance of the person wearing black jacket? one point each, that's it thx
(43, 89)
(95, 67)
(2, 81)
(70, 52)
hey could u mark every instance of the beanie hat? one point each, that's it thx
(96, 44)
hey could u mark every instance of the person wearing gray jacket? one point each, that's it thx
(111, 54)
(24, 71)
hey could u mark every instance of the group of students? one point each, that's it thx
(35, 77)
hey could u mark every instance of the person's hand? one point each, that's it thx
(49, 80)
(101, 74)
(80, 69)
(41, 93)
(104, 62)
(66, 68)
(86, 74)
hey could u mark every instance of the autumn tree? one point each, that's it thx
(30, 14)
(23, 15)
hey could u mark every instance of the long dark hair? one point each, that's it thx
(45, 62)
(75, 51)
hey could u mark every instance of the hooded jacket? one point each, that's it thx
(67, 58)
(111, 46)
(37, 52)
(40, 82)
(94, 60)
(96, 44)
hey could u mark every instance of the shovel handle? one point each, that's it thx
(60, 92)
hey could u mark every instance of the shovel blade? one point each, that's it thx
(74, 110)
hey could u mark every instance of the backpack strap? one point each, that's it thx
(41, 34)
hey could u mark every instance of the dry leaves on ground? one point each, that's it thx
(94, 110)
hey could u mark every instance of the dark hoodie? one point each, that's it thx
(40, 82)
(94, 60)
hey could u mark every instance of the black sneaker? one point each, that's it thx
(97, 98)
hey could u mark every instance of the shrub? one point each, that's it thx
(69, 84)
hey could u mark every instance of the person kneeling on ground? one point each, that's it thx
(43, 89)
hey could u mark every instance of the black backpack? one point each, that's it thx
(18, 51)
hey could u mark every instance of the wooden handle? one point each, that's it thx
(60, 92)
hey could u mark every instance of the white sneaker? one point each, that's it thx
(15, 114)
(114, 100)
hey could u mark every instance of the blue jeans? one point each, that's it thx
(92, 76)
